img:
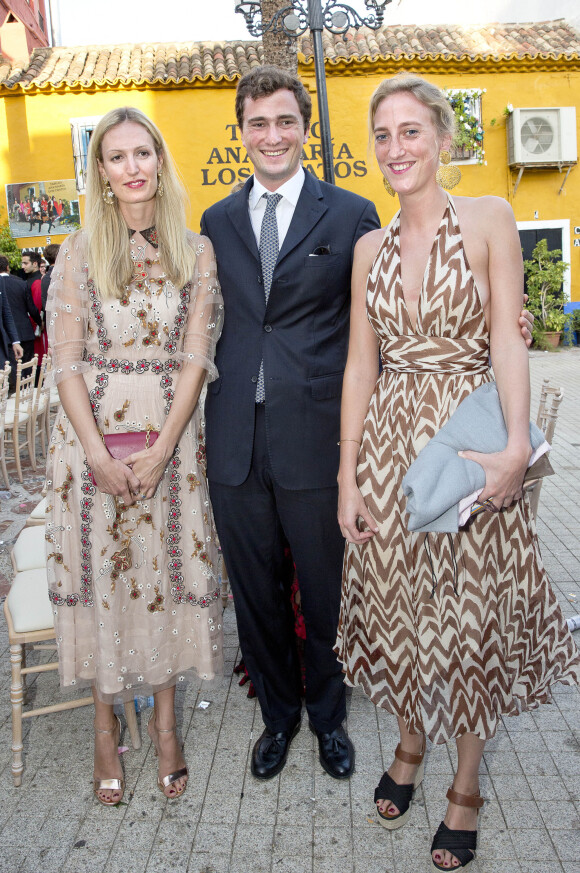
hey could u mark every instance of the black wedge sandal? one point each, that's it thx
(461, 844)
(399, 795)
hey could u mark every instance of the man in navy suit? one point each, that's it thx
(19, 296)
(9, 338)
(273, 416)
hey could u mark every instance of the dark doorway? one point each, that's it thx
(530, 238)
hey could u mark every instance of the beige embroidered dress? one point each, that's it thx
(446, 631)
(134, 591)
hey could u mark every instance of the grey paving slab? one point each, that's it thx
(208, 862)
(47, 860)
(122, 860)
(242, 862)
(502, 866)
(560, 815)
(302, 821)
(541, 866)
(567, 844)
(12, 859)
(84, 860)
(331, 862)
(163, 859)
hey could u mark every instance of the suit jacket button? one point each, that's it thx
(268, 328)
(254, 379)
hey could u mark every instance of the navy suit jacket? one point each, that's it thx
(301, 335)
(19, 297)
(8, 333)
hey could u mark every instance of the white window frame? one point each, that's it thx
(557, 224)
(80, 129)
(476, 95)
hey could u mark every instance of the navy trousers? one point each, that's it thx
(255, 521)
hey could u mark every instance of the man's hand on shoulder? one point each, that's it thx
(526, 322)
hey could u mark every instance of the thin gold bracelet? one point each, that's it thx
(348, 441)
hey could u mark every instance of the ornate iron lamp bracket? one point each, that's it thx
(300, 15)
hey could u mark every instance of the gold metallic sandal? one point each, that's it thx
(109, 784)
(170, 779)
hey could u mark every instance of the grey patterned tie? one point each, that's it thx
(268, 256)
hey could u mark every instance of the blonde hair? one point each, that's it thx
(109, 259)
(426, 93)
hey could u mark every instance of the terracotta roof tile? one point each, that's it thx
(187, 62)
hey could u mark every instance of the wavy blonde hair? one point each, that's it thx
(109, 258)
(426, 93)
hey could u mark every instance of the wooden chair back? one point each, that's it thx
(4, 388)
(550, 399)
(19, 412)
(37, 422)
(25, 382)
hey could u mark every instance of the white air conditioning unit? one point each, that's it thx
(542, 136)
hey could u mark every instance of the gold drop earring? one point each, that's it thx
(388, 187)
(160, 188)
(107, 194)
(448, 175)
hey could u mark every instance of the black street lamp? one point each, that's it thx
(294, 20)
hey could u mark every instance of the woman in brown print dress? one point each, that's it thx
(447, 631)
(134, 312)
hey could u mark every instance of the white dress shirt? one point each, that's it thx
(290, 192)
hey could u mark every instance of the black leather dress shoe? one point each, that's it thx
(336, 752)
(270, 752)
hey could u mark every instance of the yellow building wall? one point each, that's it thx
(199, 124)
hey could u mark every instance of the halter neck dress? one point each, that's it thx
(447, 631)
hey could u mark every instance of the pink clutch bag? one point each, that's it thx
(121, 445)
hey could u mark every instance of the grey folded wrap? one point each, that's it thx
(438, 479)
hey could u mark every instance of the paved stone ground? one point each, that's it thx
(302, 821)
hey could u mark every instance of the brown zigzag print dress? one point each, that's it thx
(490, 639)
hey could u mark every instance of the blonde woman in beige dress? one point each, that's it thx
(134, 313)
(448, 632)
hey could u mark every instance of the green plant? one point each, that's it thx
(8, 245)
(544, 276)
(556, 321)
(469, 131)
(575, 319)
(573, 327)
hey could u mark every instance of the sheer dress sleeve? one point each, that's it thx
(205, 310)
(67, 309)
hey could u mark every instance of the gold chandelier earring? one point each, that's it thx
(107, 195)
(388, 187)
(160, 188)
(448, 175)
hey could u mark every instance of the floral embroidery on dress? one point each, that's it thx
(200, 456)
(199, 550)
(119, 414)
(156, 605)
(58, 559)
(64, 489)
(193, 481)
